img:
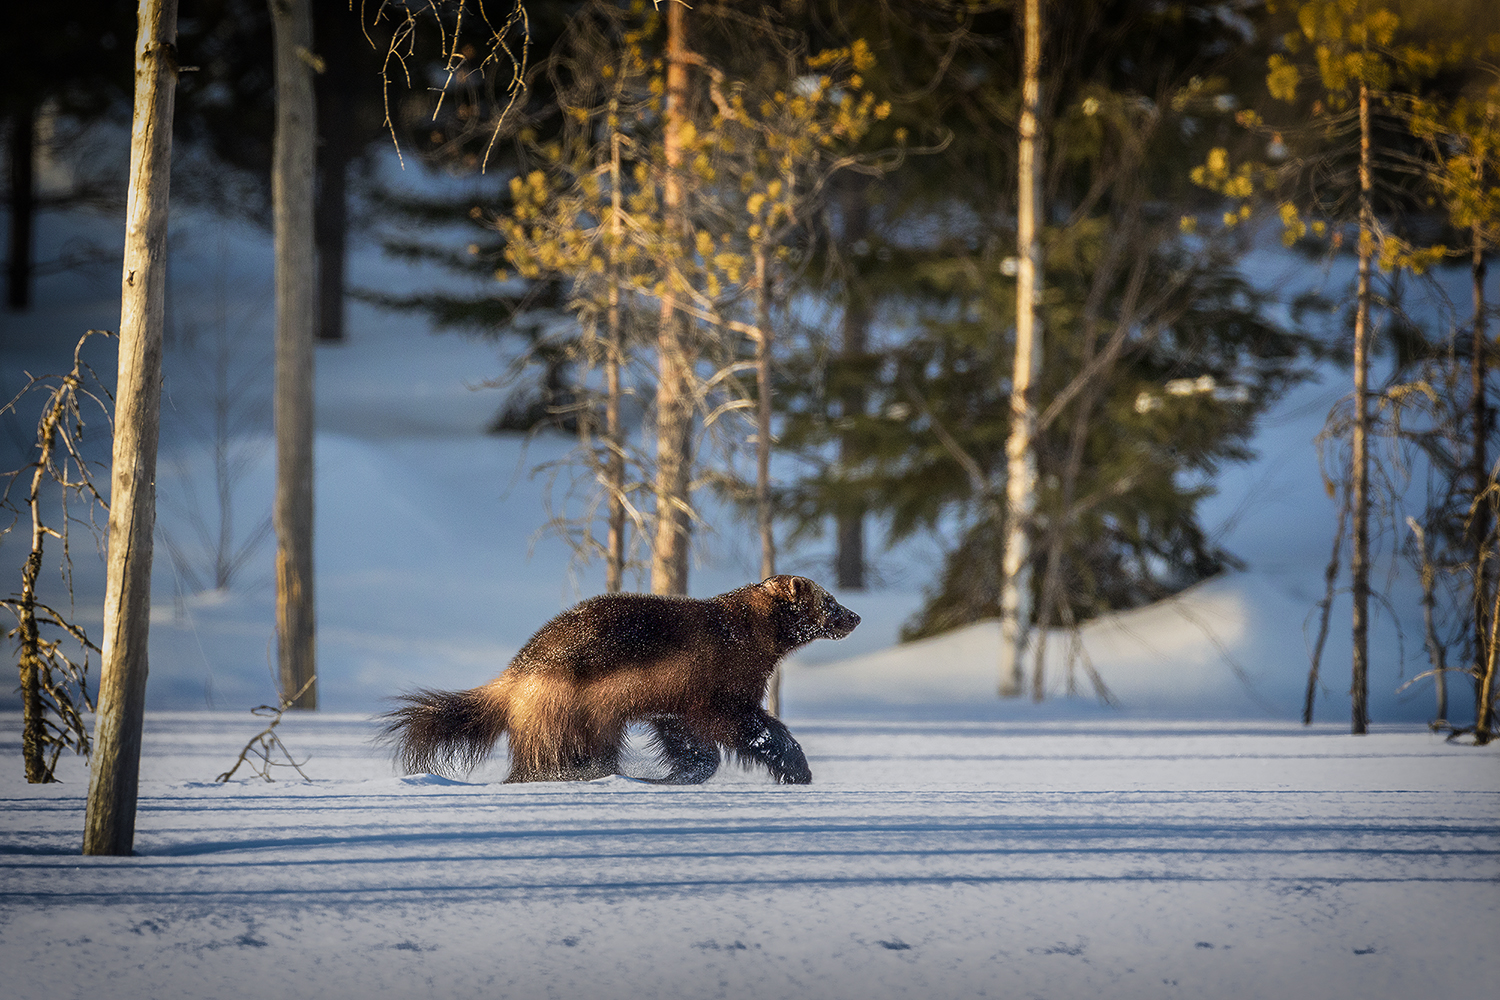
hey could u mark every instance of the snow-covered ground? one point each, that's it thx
(1059, 860)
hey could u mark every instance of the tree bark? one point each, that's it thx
(28, 638)
(1020, 451)
(674, 394)
(763, 416)
(1359, 486)
(22, 154)
(1483, 568)
(109, 826)
(292, 198)
(614, 431)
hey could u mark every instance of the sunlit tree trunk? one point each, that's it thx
(614, 568)
(109, 826)
(292, 197)
(1020, 451)
(1359, 491)
(674, 398)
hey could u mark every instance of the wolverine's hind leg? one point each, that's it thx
(563, 748)
(692, 758)
(761, 738)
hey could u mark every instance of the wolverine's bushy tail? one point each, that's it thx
(443, 732)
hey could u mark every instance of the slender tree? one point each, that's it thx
(1359, 478)
(292, 197)
(1020, 449)
(1353, 52)
(674, 391)
(110, 821)
(54, 686)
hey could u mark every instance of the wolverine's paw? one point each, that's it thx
(795, 777)
(764, 740)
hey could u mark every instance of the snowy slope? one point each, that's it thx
(1232, 646)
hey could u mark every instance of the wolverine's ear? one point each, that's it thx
(789, 588)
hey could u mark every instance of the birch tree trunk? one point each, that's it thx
(1020, 451)
(1359, 491)
(292, 198)
(674, 395)
(109, 826)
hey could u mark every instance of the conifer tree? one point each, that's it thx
(1162, 356)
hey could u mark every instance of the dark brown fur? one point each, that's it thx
(695, 670)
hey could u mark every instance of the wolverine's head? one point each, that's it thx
(808, 611)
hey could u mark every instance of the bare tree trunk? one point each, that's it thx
(614, 570)
(1484, 653)
(109, 826)
(1359, 486)
(292, 196)
(1484, 702)
(22, 154)
(28, 639)
(763, 416)
(849, 559)
(1020, 451)
(1480, 525)
(674, 399)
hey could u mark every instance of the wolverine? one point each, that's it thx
(694, 671)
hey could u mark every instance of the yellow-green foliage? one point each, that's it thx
(561, 222)
(1341, 45)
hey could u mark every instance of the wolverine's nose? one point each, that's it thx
(843, 621)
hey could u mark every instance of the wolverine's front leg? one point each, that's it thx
(760, 737)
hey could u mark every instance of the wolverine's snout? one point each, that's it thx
(841, 621)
